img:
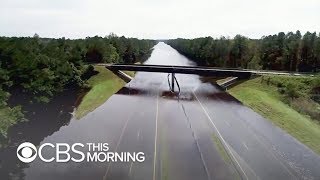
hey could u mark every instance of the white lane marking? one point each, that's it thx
(227, 123)
(155, 141)
(259, 140)
(273, 155)
(118, 143)
(222, 139)
(130, 168)
(138, 134)
(245, 145)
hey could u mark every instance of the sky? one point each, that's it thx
(161, 19)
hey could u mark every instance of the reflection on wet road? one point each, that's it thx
(204, 133)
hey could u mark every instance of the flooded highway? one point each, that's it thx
(202, 133)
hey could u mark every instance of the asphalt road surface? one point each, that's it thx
(204, 133)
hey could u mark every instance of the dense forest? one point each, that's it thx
(285, 52)
(43, 67)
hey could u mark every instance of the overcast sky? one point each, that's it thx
(159, 19)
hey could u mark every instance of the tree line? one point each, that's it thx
(42, 67)
(283, 51)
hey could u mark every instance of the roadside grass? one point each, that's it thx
(225, 156)
(221, 149)
(269, 102)
(103, 85)
(303, 85)
(164, 155)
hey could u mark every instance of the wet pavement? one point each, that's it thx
(202, 133)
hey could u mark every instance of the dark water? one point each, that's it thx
(42, 121)
(175, 131)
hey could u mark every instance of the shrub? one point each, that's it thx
(291, 91)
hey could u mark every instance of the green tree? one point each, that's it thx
(239, 54)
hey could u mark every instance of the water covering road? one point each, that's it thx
(203, 134)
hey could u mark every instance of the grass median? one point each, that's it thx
(103, 85)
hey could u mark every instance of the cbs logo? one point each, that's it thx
(27, 152)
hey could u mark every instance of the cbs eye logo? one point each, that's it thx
(26, 152)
